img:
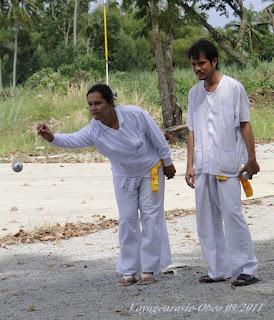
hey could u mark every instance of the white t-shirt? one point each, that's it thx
(215, 119)
(133, 149)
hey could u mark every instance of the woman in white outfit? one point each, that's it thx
(140, 157)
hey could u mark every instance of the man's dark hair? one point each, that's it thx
(204, 47)
(105, 91)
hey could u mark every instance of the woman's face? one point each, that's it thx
(99, 107)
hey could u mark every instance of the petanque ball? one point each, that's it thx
(17, 166)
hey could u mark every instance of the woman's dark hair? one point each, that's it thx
(105, 91)
(204, 47)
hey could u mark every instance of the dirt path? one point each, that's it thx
(76, 279)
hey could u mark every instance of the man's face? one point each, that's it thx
(202, 67)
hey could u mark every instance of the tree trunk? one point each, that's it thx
(169, 68)
(75, 23)
(1, 82)
(270, 13)
(66, 39)
(87, 45)
(176, 110)
(242, 58)
(160, 66)
(243, 17)
(250, 41)
(66, 34)
(163, 78)
(16, 27)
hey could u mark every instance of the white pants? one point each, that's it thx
(223, 232)
(143, 238)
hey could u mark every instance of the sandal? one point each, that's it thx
(244, 280)
(207, 279)
(146, 279)
(127, 282)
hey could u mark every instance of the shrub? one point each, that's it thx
(48, 79)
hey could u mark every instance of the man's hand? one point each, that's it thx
(169, 171)
(45, 132)
(251, 167)
(190, 177)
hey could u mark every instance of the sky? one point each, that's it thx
(216, 20)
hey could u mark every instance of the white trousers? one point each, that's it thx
(143, 237)
(223, 232)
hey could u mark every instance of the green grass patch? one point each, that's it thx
(20, 114)
(263, 116)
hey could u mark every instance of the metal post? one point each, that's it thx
(106, 39)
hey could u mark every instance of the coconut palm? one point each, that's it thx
(254, 27)
(18, 13)
(270, 11)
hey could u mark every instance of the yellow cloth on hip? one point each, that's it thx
(154, 177)
(247, 187)
(221, 178)
(245, 184)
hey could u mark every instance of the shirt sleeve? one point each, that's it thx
(190, 112)
(243, 105)
(157, 138)
(79, 139)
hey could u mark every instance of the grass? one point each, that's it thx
(263, 118)
(19, 117)
(20, 114)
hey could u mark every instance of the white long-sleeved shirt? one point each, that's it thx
(215, 117)
(132, 149)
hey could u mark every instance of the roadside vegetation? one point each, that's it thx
(63, 106)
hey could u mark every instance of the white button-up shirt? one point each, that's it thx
(215, 118)
(133, 149)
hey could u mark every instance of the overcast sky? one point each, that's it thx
(217, 20)
(214, 18)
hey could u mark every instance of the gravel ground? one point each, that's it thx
(76, 279)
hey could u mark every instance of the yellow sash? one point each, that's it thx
(245, 184)
(247, 187)
(221, 178)
(154, 176)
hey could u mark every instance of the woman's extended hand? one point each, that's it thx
(45, 132)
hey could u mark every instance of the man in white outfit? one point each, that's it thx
(220, 148)
(140, 157)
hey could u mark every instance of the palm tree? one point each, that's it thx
(4, 35)
(270, 11)
(75, 23)
(19, 13)
(253, 27)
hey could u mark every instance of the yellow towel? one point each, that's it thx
(221, 178)
(247, 187)
(245, 184)
(154, 176)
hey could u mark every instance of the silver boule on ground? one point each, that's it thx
(17, 166)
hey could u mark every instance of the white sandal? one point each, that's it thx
(127, 281)
(146, 278)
